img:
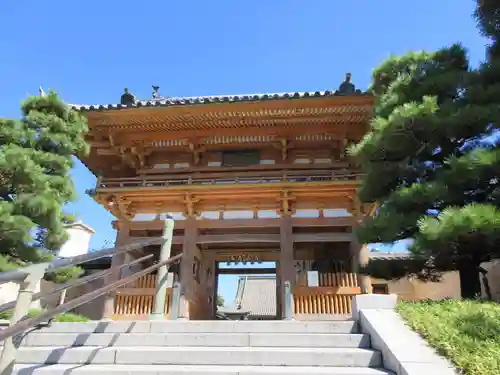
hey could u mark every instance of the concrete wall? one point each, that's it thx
(410, 289)
(9, 291)
(449, 287)
(93, 309)
(493, 275)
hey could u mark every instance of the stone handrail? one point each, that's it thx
(29, 277)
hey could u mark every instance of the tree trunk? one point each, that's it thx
(470, 285)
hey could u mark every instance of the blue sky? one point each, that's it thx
(89, 51)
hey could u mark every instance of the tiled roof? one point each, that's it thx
(181, 101)
(128, 100)
(389, 256)
(256, 295)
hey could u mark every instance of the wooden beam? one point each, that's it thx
(151, 192)
(286, 266)
(284, 130)
(341, 221)
(176, 240)
(257, 238)
(238, 238)
(246, 271)
(323, 237)
(263, 255)
(186, 267)
(261, 167)
(326, 290)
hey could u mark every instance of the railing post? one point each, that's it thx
(27, 288)
(288, 301)
(158, 312)
(176, 300)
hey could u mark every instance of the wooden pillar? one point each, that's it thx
(287, 271)
(122, 236)
(209, 286)
(186, 266)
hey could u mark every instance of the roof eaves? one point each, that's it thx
(389, 256)
(182, 101)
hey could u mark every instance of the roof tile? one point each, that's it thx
(255, 294)
(182, 101)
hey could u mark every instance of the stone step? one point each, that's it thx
(315, 340)
(206, 326)
(228, 356)
(191, 370)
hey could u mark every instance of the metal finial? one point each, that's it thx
(346, 87)
(156, 92)
(127, 98)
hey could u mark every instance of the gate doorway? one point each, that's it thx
(249, 290)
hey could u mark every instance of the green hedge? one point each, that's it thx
(66, 317)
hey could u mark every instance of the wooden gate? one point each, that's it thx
(135, 300)
(333, 295)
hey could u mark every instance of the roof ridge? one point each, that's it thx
(192, 100)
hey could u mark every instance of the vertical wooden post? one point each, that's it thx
(209, 286)
(286, 258)
(158, 312)
(186, 266)
(118, 260)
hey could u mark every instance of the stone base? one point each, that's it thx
(157, 317)
(373, 302)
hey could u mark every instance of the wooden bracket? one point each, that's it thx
(120, 207)
(284, 149)
(190, 201)
(197, 150)
(286, 199)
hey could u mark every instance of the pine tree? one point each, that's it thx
(220, 301)
(425, 162)
(35, 161)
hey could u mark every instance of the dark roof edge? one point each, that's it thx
(183, 101)
(389, 256)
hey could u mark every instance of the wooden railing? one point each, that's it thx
(252, 177)
(333, 295)
(28, 278)
(135, 300)
(324, 300)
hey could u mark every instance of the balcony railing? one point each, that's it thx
(252, 177)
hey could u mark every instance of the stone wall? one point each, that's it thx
(449, 287)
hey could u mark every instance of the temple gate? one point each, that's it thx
(262, 176)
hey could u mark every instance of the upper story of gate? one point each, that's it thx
(276, 141)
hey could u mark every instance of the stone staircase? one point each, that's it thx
(199, 348)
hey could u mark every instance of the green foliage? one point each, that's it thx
(466, 332)
(424, 156)
(35, 161)
(220, 301)
(66, 317)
